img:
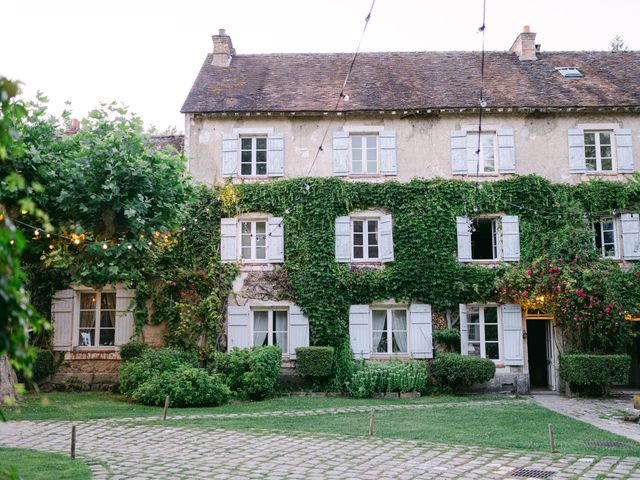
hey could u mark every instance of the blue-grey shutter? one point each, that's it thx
(275, 230)
(512, 334)
(340, 153)
(464, 330)
(230, 154)
(62, 319)
(343, 239)
(420, 330)
(359, 333)
(125, 322)
(577, 162)
(386, 238)
(298, 330)
(238, 329)
(464, 239)
(275, 155)
(506, 151)
(458, 152)
(228, 240)
(510, 239)
(624, 150)
(630, 235)
(388, 162)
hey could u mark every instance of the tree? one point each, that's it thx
(618, 44)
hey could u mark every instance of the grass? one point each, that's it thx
(34, 465)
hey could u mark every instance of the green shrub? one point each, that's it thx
(343, 367)
(391, 376)
(251, 373)
(44, 364)
(453, 371)
(315, 362)
(593, 374)
(449, 338)
(132, 350)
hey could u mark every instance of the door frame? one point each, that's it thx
(552, 350)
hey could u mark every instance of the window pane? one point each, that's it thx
(372, 142)
(261, 156)
(609, 250)
(279, 321)
(358, 252)
(590, 151)
(605, 151)
(356, 167)
(399, 319)
(356, 155)
(491, 333)
(261, 169)
(490, 315)
(245, 169)
(260, 321)
(358, 239)
(379, 320)
(373, 251)
(474, 349)
(474, 332)
(87, 319)
(259, 339)
(491, 350)
(245, 143)
(280, 339)
(589, 138)
(107, 336)
(87, 301)
(605, 138)
(107, 318)
(591, 164)
(108, 301)
(380, 342)
(261, 143)
(86, 337)
(473, 314)
(607, 164)
(608, 237)
(399, 344)
(482, 244)
(246, 227)
(372, 167)
(245, 156)
(357, 225)
(356, 142)
(372, 225)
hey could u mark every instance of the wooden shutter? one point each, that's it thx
(343, 239)
(464, 330)
(506, 151)
(228, 240)
(510, 239)
(630, 235)
(238, 330)
(359, 333)
(512, 334)
(577, 162)
(125, 317)
(275, 155)
(420, 330)
(388, 161)
(230, 154)
(298, 330)
(276, 239)
(624, 150)
(340, 153)
(62, 319)
(458, 152)
(386, 238)
(464, 239)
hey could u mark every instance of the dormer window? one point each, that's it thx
(570, 72)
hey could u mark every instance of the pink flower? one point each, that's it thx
(607, 310)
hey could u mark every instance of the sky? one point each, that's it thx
(146, 54)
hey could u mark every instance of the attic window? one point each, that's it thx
(570, 72)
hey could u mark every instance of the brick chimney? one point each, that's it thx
(223, 49)
(525, 45)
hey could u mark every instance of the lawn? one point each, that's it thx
(34, 465)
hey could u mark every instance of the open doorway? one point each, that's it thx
(541, 354)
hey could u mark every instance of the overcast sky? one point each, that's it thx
(146, 54)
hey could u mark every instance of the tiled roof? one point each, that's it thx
(159, 142)
(414, 80)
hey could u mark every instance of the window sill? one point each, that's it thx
(256, 266)
(389, 356)
(482, 262)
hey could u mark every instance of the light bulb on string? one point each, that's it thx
(76, 241)
(11, 242)
(129, 247)
(104, 246)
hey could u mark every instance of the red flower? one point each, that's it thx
(607, 310)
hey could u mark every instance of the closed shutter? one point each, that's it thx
(577, 163)
(340, 153)
(238, 331)
(388, 161)
(275, 155)
(624, 150)
(510, 239)
(506, 151)
(276, 239)
(125, 318)
(630, 235)
(464, 330)
(62, 319)
(386, 238)
(359, 334)
(458, 152)
(420, 332)
(230, 147)
(299, 330)
(343, 239)
(228, 240)
(512, 334)
(464, 239)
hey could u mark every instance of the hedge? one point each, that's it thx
(250, 373)
(315, 362)
(593, 374)
(453, 371)
(387, 377)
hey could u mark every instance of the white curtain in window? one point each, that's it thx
(379, 331)
(399, 324)
(260, 328)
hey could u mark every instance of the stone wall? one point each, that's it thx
(91, 368)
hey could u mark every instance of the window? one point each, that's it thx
(485, 161)
(270, 327)
(597, 151)
(605, 237)
(484, 239)
(364, 154)
(482, 323)
(389, 329)
(253, 240)
(569, 72)
(97, 319)
(253, 156)
(365, 239)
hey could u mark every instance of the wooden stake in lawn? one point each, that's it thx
(166, 407)
(373, 412)
(552, 439)
(73, 442)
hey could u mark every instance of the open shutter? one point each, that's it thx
(275, 155)
(340, 153)
(299, 330)
(420, 332)
(125, 318)
(510, 239)
(238, 331)
(228, 240)
(458, 152)
(388, 162)
(62, 319)
(464, 330)
(343, 239)
(464, 239)
(512, 334)
(624, 150)
(506, 151)
(359, 334)
(276, 239)
(386, 238)
(577, 163)
(230, 147)
(630, 235)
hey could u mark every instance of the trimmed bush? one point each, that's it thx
(387, 377)
(315, 362)
(593, 374)
(454, 372)
(251, 373)
(132, 350)
(448, 338)
(343, 366)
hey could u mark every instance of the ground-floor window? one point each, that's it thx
(97, 319)
(389, 329)
(482, 322)
(270, 327)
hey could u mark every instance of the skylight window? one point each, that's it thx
(570, 72)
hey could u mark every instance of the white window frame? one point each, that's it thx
(254, 155)
(253, 239)
(614, 229)
(365, 239)
(389, 332)
(598, 159)
(481, 323)
(364, 136)
(271, 333)
(496, 242)
(472, 147)
(97, 327)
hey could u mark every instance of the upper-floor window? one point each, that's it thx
(252, 152)
(253, 156)
(97, 326)
(484, 239)
(389, 330)
(600, 148)
(364, 154)
(490, 153)
(481, 157)
(253, 240)
(488, 238)
(271, 327)
(364, 237)
(482, 324)
(364, 150)
(597, 151)
(605, 237)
